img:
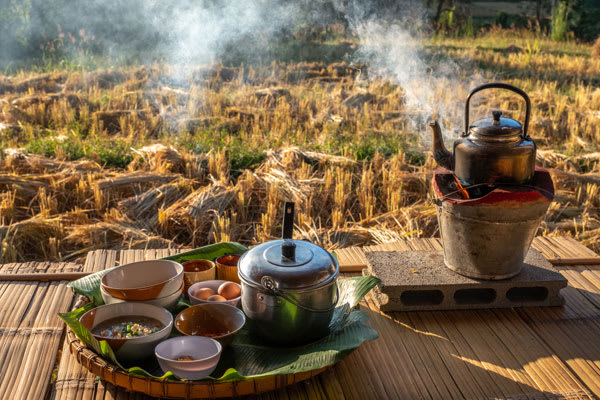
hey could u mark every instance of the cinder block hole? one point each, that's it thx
(422, 297)
(475, 296)
(527, 294)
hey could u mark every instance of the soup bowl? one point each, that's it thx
(143, 280)
(134, 348)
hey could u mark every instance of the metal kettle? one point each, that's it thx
(491, 151)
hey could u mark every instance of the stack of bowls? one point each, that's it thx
(156, 282)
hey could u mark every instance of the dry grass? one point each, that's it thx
(134, 159)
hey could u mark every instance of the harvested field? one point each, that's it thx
(131, 158)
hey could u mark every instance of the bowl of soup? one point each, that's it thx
(132, 330)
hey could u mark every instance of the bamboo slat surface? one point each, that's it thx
(30, 330)
(507, 353)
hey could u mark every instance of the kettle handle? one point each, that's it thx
(498, 85)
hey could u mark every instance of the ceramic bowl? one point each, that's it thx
(206, 353)
(131, 349)
(227, 268)
(219, 321)
(167, 302)
(196, 271)
(143, 280)
(214, 285)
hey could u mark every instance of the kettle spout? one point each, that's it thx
(442, 156)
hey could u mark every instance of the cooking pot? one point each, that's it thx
(289, 288)
(491, 151)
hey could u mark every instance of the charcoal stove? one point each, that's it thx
(490, 199)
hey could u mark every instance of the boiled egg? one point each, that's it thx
(216, 297)
(229, 290)
(204, 293)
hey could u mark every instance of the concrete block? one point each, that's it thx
(419, 280)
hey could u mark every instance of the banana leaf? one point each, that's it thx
(248, 357)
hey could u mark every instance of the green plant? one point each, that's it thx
(560, 21)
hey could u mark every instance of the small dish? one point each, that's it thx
(218, 321)
(227, 268)
(196, 271)
(205, 352)
(167, 302)
(135, 348)
(143, 280)
(214, 285)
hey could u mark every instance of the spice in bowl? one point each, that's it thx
(185, 358)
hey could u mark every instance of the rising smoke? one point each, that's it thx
(193, 32)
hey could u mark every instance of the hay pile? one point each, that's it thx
(161, 195)
(61, 210)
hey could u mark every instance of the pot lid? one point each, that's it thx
(496, 126)
(287, 263)
(309, 266)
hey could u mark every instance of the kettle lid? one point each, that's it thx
(496, 126)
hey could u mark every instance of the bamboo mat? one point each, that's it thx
(522, 354)
(30, 330)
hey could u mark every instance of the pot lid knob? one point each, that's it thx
(288, 250)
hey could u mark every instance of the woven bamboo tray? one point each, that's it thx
(177, 389)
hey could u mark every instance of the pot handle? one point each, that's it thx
(498, 85)
(269, 284)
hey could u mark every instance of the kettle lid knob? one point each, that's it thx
(496, 114)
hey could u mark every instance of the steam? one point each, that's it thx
(199, 34)
(195, 32)
(433, 83)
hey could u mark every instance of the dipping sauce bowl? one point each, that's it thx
(227, 268)
(189, 357)
(196, 271)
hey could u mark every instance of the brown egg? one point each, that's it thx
(216, 297)
(204, 293)
(229, 290)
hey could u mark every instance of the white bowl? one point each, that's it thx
(143, 280)
(133, 348)
(205, 351)
(214, 285)
(167, 302)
